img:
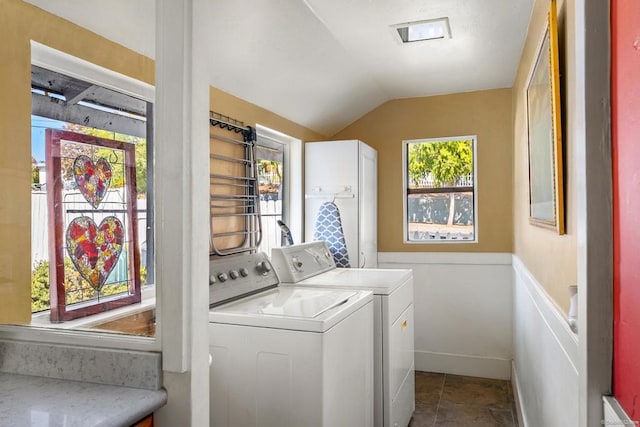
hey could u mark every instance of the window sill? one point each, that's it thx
(41, 319)
(83, 332)
(439, 241)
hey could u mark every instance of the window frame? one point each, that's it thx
(60, 309)
(405, 188)
(55, 60)
(292, 210)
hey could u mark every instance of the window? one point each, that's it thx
(90, 183)
(272, 186)
(440, 190)
(279, 171)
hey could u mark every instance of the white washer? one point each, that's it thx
(287, 356)
(311, 265)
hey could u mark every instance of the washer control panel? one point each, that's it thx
(298, 262)
(234, 276)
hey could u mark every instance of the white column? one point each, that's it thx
(592, 157)
(182, 214)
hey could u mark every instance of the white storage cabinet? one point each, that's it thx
(345, 172)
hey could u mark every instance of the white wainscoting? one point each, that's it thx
(463, 306)
(545, 356)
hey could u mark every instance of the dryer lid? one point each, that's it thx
(378, 280)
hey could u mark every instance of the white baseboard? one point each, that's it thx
(463, 364)
(522, 421)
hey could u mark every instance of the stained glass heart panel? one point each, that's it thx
(93, 179)
(94, 250)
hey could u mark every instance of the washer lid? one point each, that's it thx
(380, 281)
(291, 302)
(306, 309)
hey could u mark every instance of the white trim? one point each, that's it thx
(293, 191)
(147, 303)
(100, 339)
(182, 199)
(60, 62)
(182, 188)
(592, 177)
(473, 258)
(550, 314)
(296, 190)
(515, 386)
(614, 414)
(405, 172)
(463, 364)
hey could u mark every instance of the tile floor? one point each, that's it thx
(454, 400)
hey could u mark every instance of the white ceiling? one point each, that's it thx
(325, 63)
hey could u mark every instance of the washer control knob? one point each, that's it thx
(212, 279)
(222, 277)
(234, 274)
(244, 272)
(263, 267)
(297, 264)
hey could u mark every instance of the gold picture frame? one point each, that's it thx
(546, 192)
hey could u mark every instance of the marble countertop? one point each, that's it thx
(30, 401)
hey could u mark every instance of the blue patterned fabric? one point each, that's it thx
(329, 228)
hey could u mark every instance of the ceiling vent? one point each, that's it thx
(430, 29)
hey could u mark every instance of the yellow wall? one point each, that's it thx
(550, 257)
(20, 23)
(486, 114)
(251, 114)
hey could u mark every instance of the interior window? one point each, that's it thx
(439, 191)
(92, 215)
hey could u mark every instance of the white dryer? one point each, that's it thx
(311, 265)
(287, 356)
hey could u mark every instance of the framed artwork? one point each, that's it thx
(546, 193)
(93, 252)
